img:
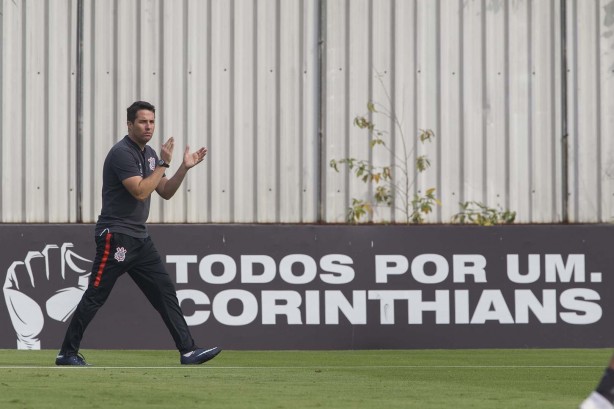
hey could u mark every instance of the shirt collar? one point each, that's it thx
(133, 144)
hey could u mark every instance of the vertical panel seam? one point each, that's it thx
(530, 108)
(564, 115)
(348, 94)
(553, 142)
(162, 214)
(209, 113)
(438, 91)
(484, 67)
(79, 114)
(255, 112)
(393, 109)
(370, 88)
(70, 165)
(278, 111)
(2, 111)
(322, 150)
(576, 146)
(24, 108)
(186, 104)
(46, 98)
(93, 106)
(302, 63)
(414, 140)
(461, 88)
(139, 54)
(115, 67)
(231, 103)
(598, 114)
(506, 80)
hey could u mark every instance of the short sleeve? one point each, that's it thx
(125, 164)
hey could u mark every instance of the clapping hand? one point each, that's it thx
(192, 159)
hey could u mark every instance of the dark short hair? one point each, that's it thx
(136, 107)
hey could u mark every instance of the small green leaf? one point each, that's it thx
(426, 135)
(422, 163)
(362, 122)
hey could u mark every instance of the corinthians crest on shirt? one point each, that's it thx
(120, 254)
(152, 163)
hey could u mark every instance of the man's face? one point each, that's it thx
(142, 129)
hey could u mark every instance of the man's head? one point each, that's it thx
(141, 117)
(136, 107)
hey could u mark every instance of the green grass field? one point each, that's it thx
(535, 378)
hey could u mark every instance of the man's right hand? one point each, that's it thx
(166, 153)
(141, 188)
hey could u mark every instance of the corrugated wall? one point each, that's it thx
(484, 76)
(272, 87)
(239, 77)
(590, 30)
(37, 129)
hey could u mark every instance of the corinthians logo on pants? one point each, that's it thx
(120, 254)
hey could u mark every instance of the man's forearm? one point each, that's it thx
(172, 184)
(149, 184)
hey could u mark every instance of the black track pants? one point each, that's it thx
(118, 253)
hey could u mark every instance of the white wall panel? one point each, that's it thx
(520, 91)
(198, 109)
(272, 87)
(473, 100)
(221, 141)
(381, 60)
(290, 136)
(590, 78)
(150, 47)
(606, 75)
(99, 111)
(584, 147)
(222, 74)
(336, 118)
(359, 63)
(12, 123)
(37, 112)
(244, 123)
(405, 68)
(267, 100)
(495, 109)
(483, 75)
(450, 131)
(546, 102)
(310, 175)
(60, 102)
(428, 96)
(35, 116)
(172, 104)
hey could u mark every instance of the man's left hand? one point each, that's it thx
(192, 159)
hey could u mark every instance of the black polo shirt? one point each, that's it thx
(122, 212)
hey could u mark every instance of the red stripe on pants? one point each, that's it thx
(103, 262)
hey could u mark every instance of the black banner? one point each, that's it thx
(325, 287)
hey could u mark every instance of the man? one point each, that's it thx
(603, 396)
(131, 172)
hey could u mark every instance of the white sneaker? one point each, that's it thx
(596, 401)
